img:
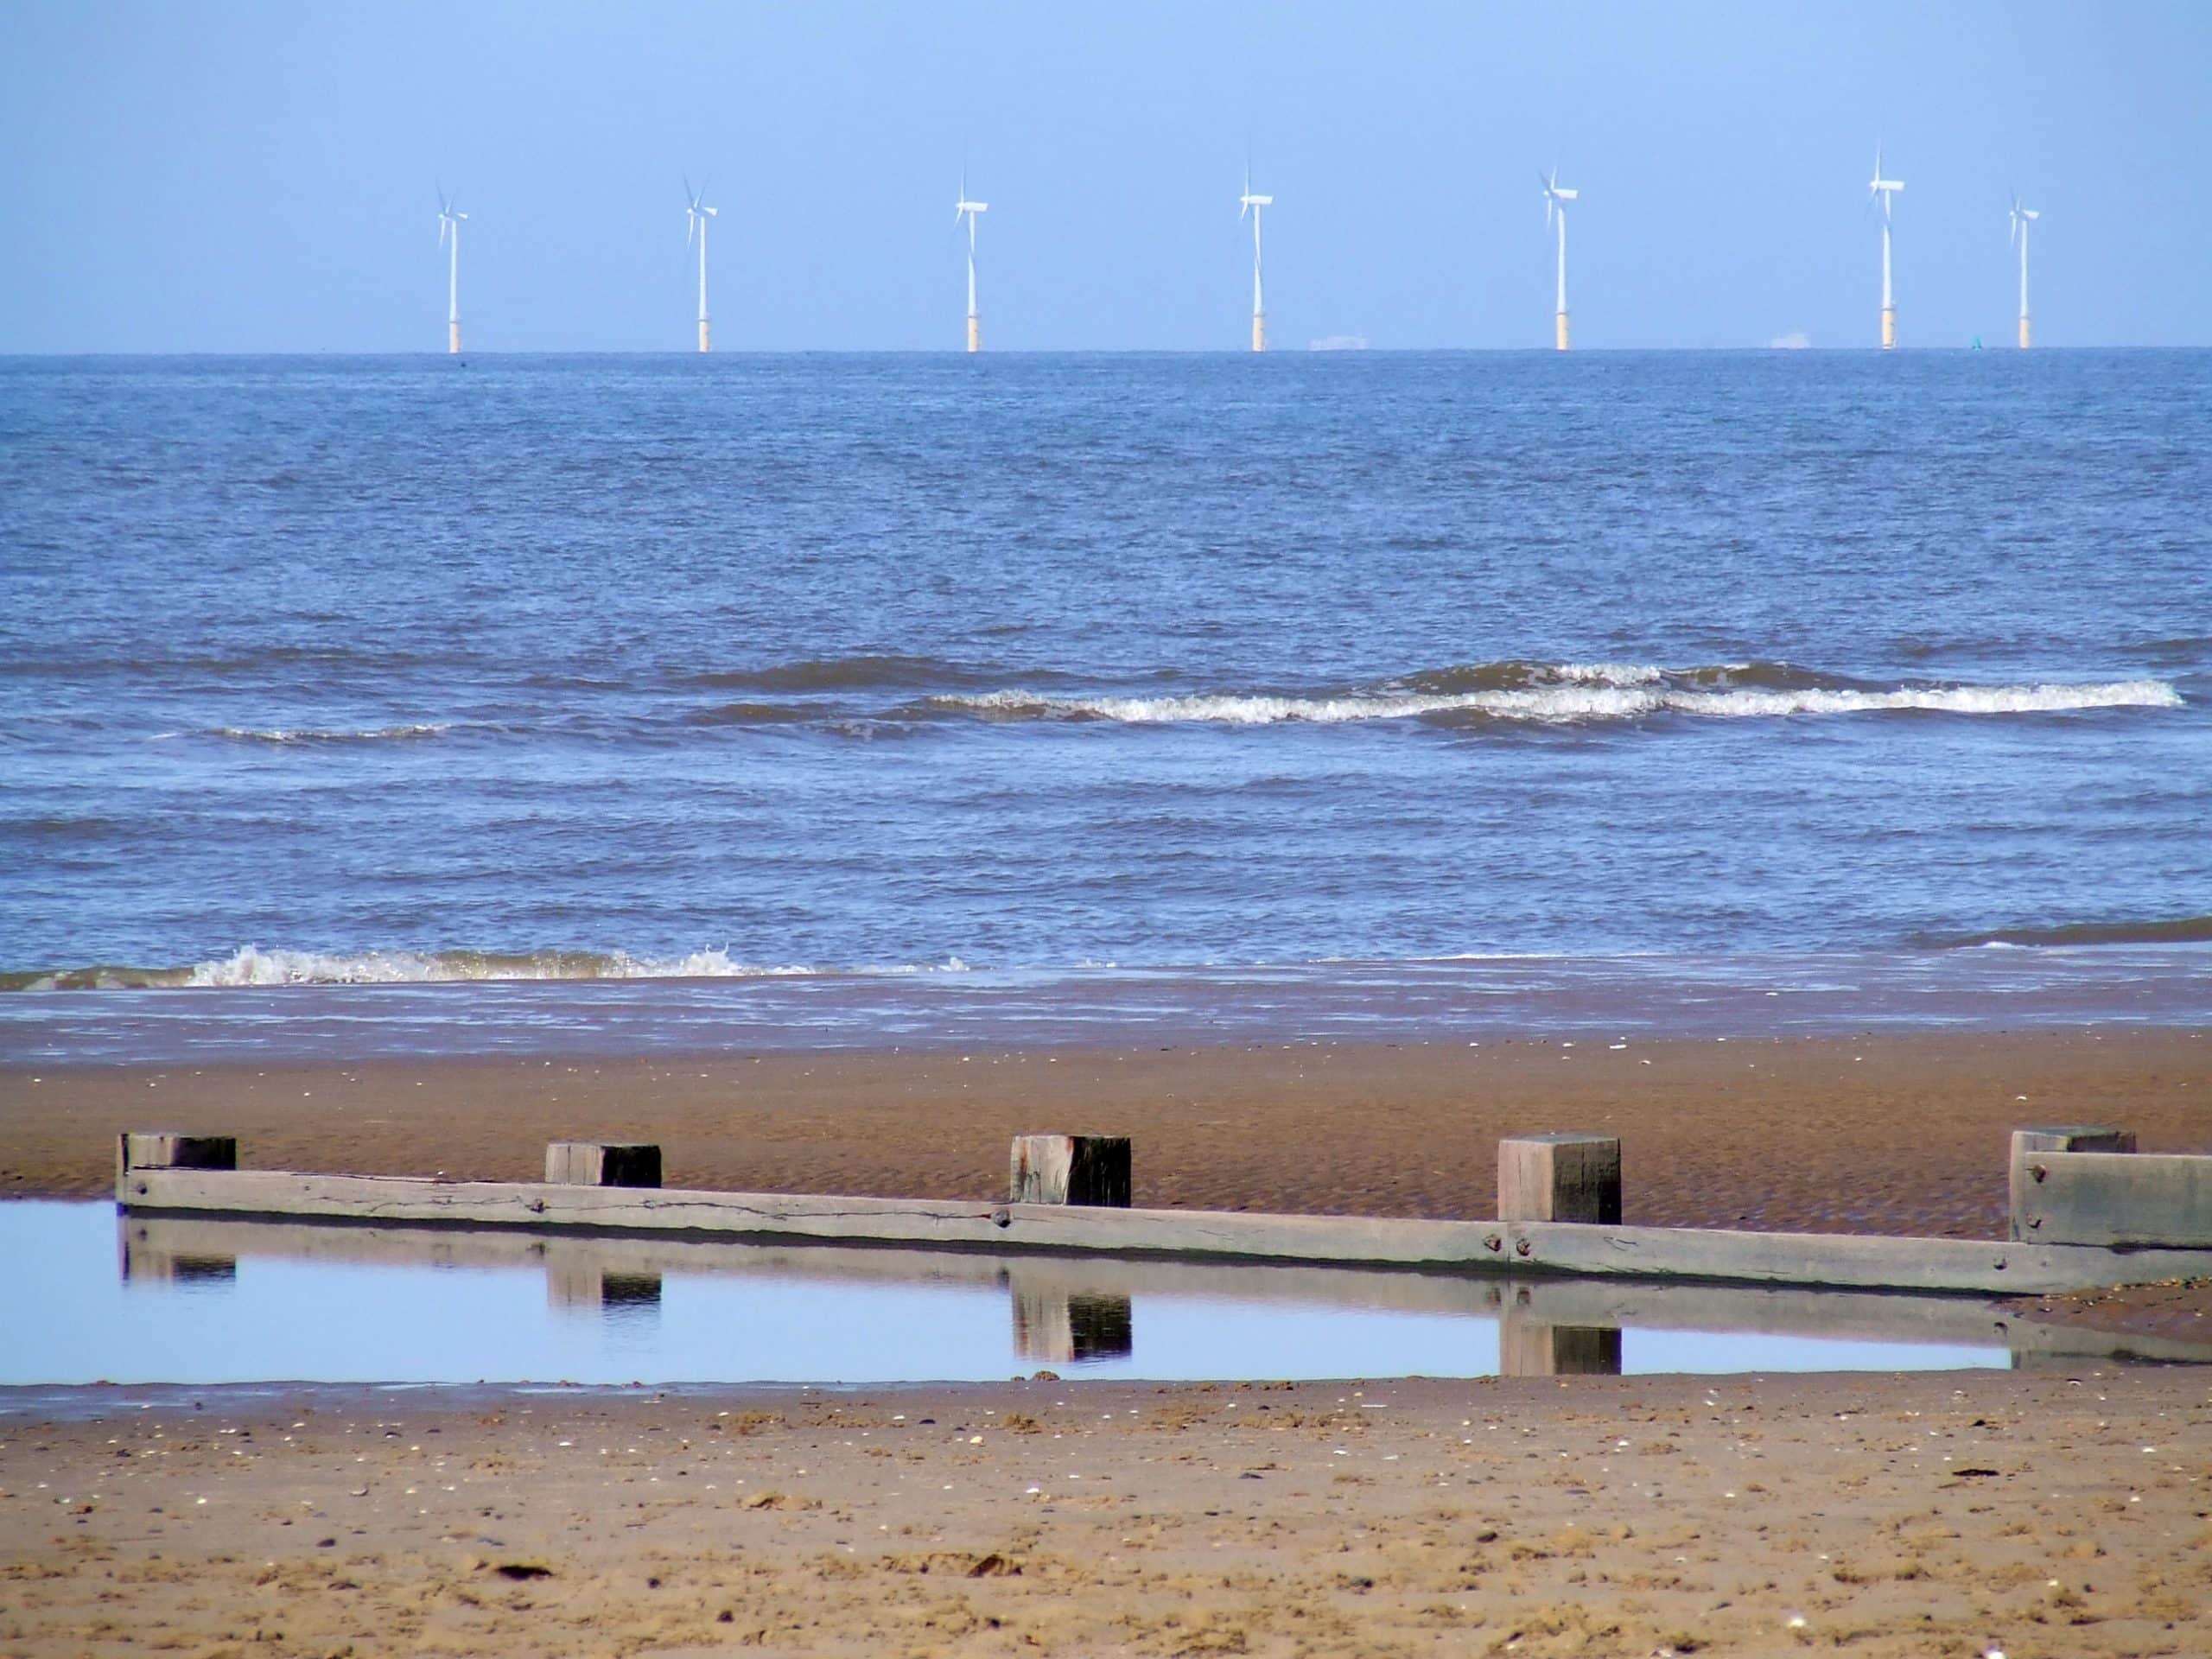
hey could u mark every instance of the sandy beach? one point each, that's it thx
(1881, 1134)
(2060, 1513)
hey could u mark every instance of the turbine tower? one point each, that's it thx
(966, 209)
(695, 225)
(1881, 189)
(1555, 200)
(449, 237)
(2021, 217)
(1249, 203)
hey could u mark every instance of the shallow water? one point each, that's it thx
(1618, 998)
(347, 669)
(156, 1299)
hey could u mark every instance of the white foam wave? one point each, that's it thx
(312, 734)
(1590, 700)
(253, 966)
(1609, 673)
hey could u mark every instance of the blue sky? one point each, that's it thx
(259, 177)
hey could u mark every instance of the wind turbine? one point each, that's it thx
(1555, 200)
(1881, 189)
(695, 225)
(1249, 203)
(449, 236)
(966, 209)
(2021, 217)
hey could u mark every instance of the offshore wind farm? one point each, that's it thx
(1881, 194)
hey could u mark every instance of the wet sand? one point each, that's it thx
(2060, 1513)
(1887, 1133)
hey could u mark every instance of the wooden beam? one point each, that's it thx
(2160, 1200)
(1522, 1248)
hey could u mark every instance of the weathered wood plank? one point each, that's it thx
(2161, 1200)
(603, 1163)
(167, 1149)
(2060, 1138)
(1522, 1248)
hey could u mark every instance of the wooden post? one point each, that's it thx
(2074, 1138)
(1560, 1177)
(165, 1149)
(602, 1163)
(1085, 1169)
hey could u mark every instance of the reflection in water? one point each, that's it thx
(146, 1263)
(1054, 1323)
(1531, 1346)
(577, 1281)
(208, 1299)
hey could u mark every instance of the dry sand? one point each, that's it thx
(2064, 1513)
(1890, 1134)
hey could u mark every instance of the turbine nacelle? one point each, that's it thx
(1879, 188)
(2021, 218)
(1249, 203)
(696, 211)
(1555, 197)
(964, 206)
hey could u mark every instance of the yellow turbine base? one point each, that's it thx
(2024, 341)
(975, 333)
(706, 335)
(452, 340)
(1889, 327)
(1561, 319)
(1259, 331)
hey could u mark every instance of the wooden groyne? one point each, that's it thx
(2083, 1219)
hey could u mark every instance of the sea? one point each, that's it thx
(357, 705)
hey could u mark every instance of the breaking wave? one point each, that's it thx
(252, 967)
(311, 735)
(2177, 930)
(1572, 693)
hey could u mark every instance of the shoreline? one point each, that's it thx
(392, 1012)
(1869, 1134)
(2031, 1513)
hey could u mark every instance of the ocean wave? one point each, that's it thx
(2177, 930)
(251, 967)
(1577, 695)
(865, 671)
(287, 734)
(750, 714)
